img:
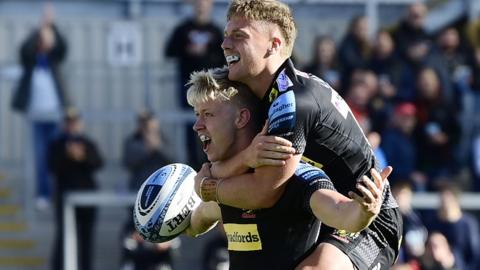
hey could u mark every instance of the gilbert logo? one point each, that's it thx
(243, 237)
(184, 213)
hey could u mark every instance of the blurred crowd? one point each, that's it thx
(415, 93)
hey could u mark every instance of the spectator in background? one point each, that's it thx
(139, 254)
(438, 128)
(460, 229)
(143, 151)
(358, 98)
(452, 62)
(414, 61)
(411, 30)
(143, 154)
(196, 44)
(324, 63)
(438, 254)
(375, 140)
(400, 149)
(73, 160)
(385, 64)
(414, 231)
(40, 94)
(355, 49)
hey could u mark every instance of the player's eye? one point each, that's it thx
(238, 36)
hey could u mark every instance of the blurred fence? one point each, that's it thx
(468, 201)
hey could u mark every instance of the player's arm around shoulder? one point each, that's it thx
(254, 190)
(351, 214)
(203, 219)
(264, 150)
(273, 162)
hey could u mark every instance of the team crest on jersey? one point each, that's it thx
(273, 95)
(249, 214)
(339, 104)
(242, 237)
(283, 81)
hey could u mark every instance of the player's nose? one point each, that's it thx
(226, 43)
(198, 125)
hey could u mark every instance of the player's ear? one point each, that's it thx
(276, 44)
(243, 117)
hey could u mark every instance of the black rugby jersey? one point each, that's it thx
(281, 236)
(307, 111)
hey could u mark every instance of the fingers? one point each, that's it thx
(278, 140)
(205, 170)
(386, 172)
(354, 196)
(277, 144)
(271, 162)
(380, 178)
(368, 189)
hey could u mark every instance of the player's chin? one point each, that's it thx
(234, 72)
(232, 75)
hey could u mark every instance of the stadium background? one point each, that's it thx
(109, 92)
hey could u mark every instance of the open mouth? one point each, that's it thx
(232, 59)
(205, 142)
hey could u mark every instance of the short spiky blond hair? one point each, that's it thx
(213, 84)
(270, 11)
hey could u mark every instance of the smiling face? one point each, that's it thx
(215, 126)
(246, 45)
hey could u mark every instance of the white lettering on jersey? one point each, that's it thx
(281, 115)
(308, 172)
(339, 104)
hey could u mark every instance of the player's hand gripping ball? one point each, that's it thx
(165, 202)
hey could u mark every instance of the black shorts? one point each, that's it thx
(374, 248)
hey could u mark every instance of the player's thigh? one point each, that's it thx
(326, 256)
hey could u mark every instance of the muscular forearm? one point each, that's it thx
(340, 212)
(255, 190)
(247, 192)
(228, 168)
(203, 218)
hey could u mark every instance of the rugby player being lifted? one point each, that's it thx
(281, 236)
(258, 42)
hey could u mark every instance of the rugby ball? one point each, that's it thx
(165, 202)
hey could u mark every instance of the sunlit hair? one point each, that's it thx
(270, 11)
(214, 85)
(210, 85)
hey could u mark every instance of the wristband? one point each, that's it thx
(208, 189)
(200, 190)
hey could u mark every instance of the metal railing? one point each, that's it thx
(468, 201)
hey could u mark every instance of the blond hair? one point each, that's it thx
(270, 11)
(214, 85)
